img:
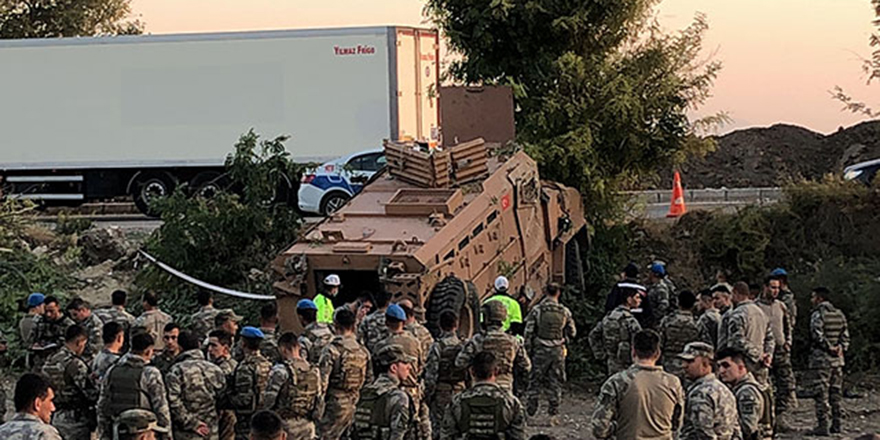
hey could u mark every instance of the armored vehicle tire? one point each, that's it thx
(457, 296)
(574, 266)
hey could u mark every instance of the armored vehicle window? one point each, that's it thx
(477, 230)
(462, 244)
(491, 217)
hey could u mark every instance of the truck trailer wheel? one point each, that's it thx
(149, 187)
(208, 183)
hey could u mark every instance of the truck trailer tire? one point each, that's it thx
(150, 186)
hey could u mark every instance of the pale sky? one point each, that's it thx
(781, 57)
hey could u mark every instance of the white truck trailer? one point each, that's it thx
(94, 118)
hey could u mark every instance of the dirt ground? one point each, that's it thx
(862, 415)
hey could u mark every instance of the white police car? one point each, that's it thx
(328, 187)
(863, 172)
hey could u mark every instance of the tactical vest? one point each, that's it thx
(352, 366)
(261, 375)
(678, 334)
(370, 420)
(834, 323)
(768, 417)
(551, 321)
(56, 370)
(320, 337)
(124, 388)
(482, 418)
(297, 397)
(448, 373)
(503, 346)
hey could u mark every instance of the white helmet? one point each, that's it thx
(332, 280)
(501, 284)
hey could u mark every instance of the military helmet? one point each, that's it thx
(494, 311)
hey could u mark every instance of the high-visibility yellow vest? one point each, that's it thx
(514, 311)
(325, 309)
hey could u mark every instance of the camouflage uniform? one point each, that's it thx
(245, 389)
(202, 322)
(710, 412)
(412, 347)
(547, 329)
(660, 299)
(676, 330)
(164, 360)
(226, 415)
(117, 314)
(748, 330)
(442, 380)
(153, 322)
(46, 333)
(128, 384)
(486, 410)
(28, 427)
(269, 346)
(754, 420)
(293, 391)
(75, 394)
(787, 297)
(26, 327)
(372, 330)
(611, 338)
(314, 338)
(345, 367)
(639, 402)
(781, 369)
(384, 408)
(709, 324)
(102, 362)
(95, 329)
(194, 385)
(508, 351)
(828, 329)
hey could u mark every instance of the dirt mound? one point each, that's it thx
(760, 157)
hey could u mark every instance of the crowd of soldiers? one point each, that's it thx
(368, 369)
(662, 358)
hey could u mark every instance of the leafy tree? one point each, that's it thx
(602, 93)
(66, 18)
(871, 69)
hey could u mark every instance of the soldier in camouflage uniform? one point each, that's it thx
(384, 411)
(710, 320)
(610, 339)
(268, 323)
(202, 322)
(166, 358)
(509, 352)
(425, 341)
(442, 380)
(113, 337)
(548, 328)
(194, 385)
(829, 340)
(748, 330)
(76, 396)
(659, 297)
(248, 381)
(153, 320)
(781, 369)
(676, 330)
(711, 407)
(33, 410)
(486, 410)
(345, 367)
(786, 295)
(219, 352)
(754, 411)
(316, 335)
(81, 312)
(293, 390)
(131, 383)
(372, 329)
(138, 424)
(49, 332)
(116, 313)
(641, 402)
(28, 322)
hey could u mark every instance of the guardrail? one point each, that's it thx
(714, 195)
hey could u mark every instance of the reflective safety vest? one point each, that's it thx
(325, 308)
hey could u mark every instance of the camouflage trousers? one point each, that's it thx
(828, 394)
(71, 425)
(422, 417)
(783, 383)
(548, 375)
(300, 428)
(440, 400)
(226, 426)
(338, 413)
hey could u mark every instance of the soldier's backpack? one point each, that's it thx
(124, 388)
(482, 417)
(353, 365)
(449, 374)
(298, 395)
(369, 422)
(551, 321)
(503, 346)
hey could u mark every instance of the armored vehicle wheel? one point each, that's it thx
(459, 297)
(574, 266)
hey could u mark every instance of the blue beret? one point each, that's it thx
(396, 312)
(779, 272)
(35, 299)
(658, 269)
(306, 304)
(252, 332)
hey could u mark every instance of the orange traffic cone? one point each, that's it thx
(676, 205)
